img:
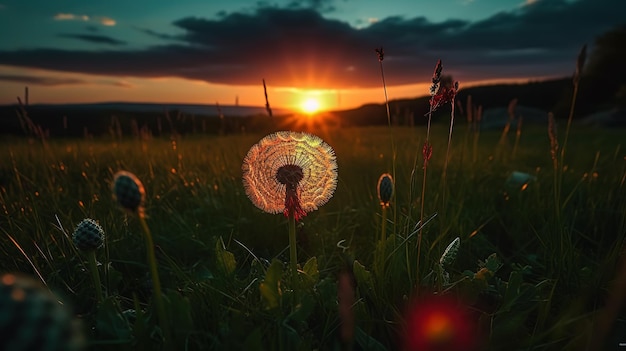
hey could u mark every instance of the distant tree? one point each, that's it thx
(604, 76)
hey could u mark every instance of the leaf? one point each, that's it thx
(270, 286)
(492, 263)
(254, 340)
(113, 276)
(512, 291)
(311, 273)
(303, 310)
(179, 311)
(225, 259)
(111, 323)
(363, 276)
(367, 342)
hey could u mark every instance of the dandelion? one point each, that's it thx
(290, 172)
(88, 237)
(31, 318)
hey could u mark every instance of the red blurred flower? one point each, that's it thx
(439, 323)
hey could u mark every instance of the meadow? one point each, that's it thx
(539, 256)
(534, 268)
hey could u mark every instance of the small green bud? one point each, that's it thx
(385, 189)
(129, 191)
(88, 235)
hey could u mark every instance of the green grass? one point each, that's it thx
(545, 286)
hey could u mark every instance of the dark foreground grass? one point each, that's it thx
(525, 276)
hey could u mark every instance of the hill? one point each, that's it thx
(164, 119)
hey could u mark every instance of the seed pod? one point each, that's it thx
(385, 189)
(88, 235)
(31, 318)
(129, 191)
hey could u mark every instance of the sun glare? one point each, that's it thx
(310, 106)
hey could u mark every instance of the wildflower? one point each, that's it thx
(380, 53)
(31, 318)
(427, 153)
(290, 172)
(434, 88)
(554, 142)
(385, 189)
(443, 96)
(88, 235)
(129, 192)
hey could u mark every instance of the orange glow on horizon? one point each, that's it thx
(66, 88)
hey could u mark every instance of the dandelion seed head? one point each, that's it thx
(290, 172)
(88, 235)
(129, 192)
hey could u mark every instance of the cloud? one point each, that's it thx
(36, 80)
(156, 34)
(58, 81)
(70, 17)
(93, 38)
(105, 21)
(299, 47)
(323, 6)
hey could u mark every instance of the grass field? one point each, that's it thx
(534, 268)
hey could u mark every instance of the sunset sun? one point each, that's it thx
(310, 106)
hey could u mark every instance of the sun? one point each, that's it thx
(310, 106)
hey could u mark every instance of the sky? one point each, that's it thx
(207, 52)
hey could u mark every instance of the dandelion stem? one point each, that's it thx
(394, 151)
(156, 283)
(292, 249)
(383, 233)
(419, 235)
(95, 275)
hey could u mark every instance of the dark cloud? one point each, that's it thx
(156, 34)
(323, 6)
(93, 38)
(47, 81)
(299, 47)
(55, 81)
